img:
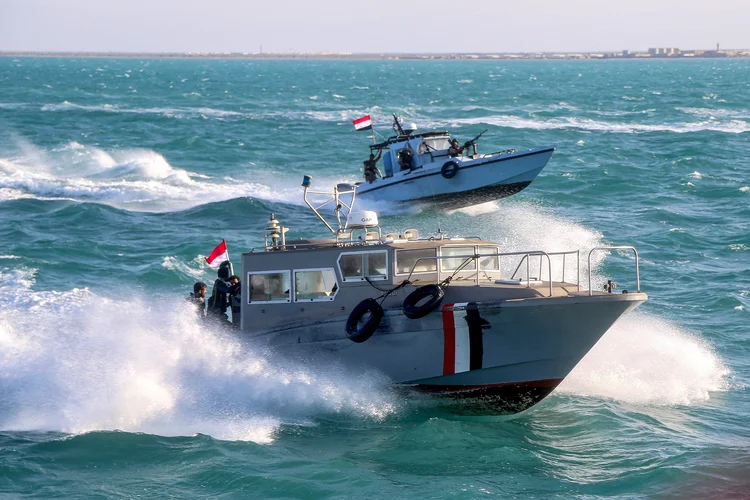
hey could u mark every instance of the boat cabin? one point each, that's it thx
(411, 151)
(311, 280)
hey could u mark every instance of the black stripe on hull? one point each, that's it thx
(452, 201)
(476, 345)
(496, 399)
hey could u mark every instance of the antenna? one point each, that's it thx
(340, 206)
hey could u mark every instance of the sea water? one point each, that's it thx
(117, 176)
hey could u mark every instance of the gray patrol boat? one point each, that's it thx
(492, 331)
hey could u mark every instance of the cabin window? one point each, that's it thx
(454, 263)
(490, 263)
(356, 266)
(312, 285)
(438, 144)
(268, 287)
(405, 260)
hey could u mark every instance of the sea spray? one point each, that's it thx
(74, 362)
(649, 360)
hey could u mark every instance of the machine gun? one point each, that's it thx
(473, 142)
(397, 125)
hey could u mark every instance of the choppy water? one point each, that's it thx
(117, 176)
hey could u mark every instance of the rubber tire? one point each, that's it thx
(359, 335)
(412, 311)
(449, 169)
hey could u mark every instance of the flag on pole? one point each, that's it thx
(363, 123)
(219, 255)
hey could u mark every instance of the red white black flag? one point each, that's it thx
(364, 123)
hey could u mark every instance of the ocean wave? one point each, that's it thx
(330, 115)
(511, 121)
(135, 179)
(713, 113)
(168, 112)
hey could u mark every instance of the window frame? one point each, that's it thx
(432, 257)
(344, 279)
(280, 301)
(497, 257)
(444, 258)
(328, 298)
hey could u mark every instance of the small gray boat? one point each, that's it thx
(421, 167)
(492, 331)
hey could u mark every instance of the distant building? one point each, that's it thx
(664, 52)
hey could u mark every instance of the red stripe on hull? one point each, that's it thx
(449, 341)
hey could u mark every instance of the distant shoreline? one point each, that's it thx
(691, 54)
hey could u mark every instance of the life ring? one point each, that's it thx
(360, 334)
(449, 170)
(414, 311)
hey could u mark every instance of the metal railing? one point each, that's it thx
(637, 265)
(548, 254)
(476, 257)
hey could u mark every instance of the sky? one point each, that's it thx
(370, 26)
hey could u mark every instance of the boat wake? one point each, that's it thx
(71, 361)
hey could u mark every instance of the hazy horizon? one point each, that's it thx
(162, 26)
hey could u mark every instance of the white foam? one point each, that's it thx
(136, 179)
(745, 189)
(523, 226)
(174, 264)
(647, 360)
(74, 362)
(187, 112)
(734, 126)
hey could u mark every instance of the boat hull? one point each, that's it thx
(501, 357)
(476, 181)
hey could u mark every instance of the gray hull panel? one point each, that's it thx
(530, 343)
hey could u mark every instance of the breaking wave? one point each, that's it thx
(134, 179)
(330, 115)
(734, 126)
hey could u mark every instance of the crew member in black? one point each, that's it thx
(455, 150)
(405, 157)
(235, 298)
(198, 298)
(219, 300)
(372, 171)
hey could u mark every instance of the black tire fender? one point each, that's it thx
(359, 334)
(413, 311)
(449, 169)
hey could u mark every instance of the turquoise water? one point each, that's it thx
(118, 176)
